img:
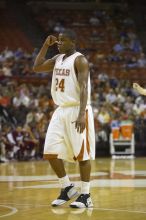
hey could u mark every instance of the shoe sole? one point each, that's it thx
(54, 205)
(77, 207)
(74, 195)
(74, 206)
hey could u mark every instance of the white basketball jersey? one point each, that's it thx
(65, 88)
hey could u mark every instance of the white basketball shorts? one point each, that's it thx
(62, 139)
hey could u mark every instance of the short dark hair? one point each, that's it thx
(69, 33)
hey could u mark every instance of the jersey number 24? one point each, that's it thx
(60, 85)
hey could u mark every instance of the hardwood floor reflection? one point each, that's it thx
(118, 190)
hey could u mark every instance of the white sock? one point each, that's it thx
(64, 181)
(85, 187)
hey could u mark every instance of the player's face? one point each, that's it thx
(64, 44)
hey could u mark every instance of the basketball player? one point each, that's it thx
(139, 89)
(70, 135)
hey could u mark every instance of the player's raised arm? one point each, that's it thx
(139, 89)
(41, 64)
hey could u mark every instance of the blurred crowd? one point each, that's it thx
(25, 111)
(108, 35)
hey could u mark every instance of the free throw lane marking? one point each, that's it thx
(12, 211)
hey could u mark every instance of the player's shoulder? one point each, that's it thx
(81, 58)
(79, 54)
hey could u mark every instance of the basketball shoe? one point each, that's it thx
(66, 194)
(83, 201)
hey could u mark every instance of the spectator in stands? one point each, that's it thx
(24, 95)
(128, 107)
(16, 99)
(111, 97)
(8, 53)
(58, 27)
(6, 69)
(141, 60)
(135, 45)
(138, 108)
(121, 96)
(31, 117)
(118, 47)
(94, 21)
(19, 53)
(30, 143)
(102, 78)
(103, 116)
(9, 142)
(3, 156)
(113, 81)
(131, 63)
(4, 100)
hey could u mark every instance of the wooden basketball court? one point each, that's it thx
(118, 190)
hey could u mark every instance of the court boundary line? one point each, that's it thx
(13, 210)
(49, 206)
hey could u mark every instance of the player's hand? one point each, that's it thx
(51, 40)
(135, 85)
(138, 88)
(80, 123)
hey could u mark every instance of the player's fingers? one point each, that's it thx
(77, 126)
(78, 129)
(135, 85)
(51, 39)
(82, 128)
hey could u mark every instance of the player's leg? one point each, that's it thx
(58, 167)
(85, 170)
(84, 200)
(86, 146)
(68, 190)
(55, 149)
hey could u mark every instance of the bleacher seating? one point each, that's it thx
(11, 34)
(95, 40)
